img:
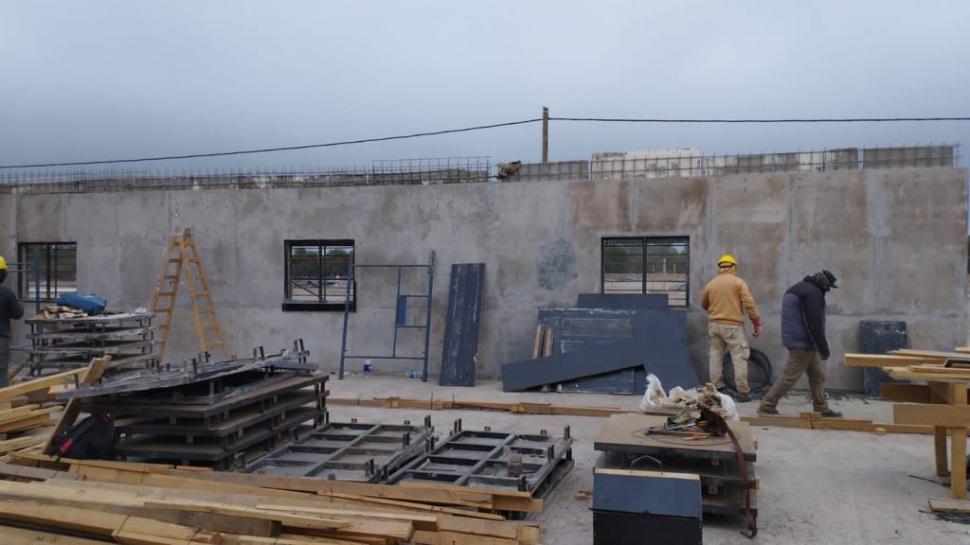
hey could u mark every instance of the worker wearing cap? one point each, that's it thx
(803, 334)
(9, 308)
(726, 299)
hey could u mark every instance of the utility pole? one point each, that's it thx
(545, 134)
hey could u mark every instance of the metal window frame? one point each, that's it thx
(45, 272)
(322, 244)
(644, 243)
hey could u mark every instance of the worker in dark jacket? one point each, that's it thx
(9, 308)
(803, 334)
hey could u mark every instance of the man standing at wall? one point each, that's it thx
(803, 334)
(726, 298)
(9, 308)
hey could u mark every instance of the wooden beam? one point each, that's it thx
(905, 393)
(958, 444)
(883, 360)
(949, 505)
(949, 416)
(930, 354)
(72, 410)
(10, 392)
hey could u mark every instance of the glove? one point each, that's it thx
(757, 326)
(824, 355)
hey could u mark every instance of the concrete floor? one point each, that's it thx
(816, 486)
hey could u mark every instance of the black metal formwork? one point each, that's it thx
(348, 451)
(483, 459)
(69, 343)
(208, 414)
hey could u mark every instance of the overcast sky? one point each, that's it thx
(113, 79)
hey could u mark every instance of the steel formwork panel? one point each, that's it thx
(348, 451)
(483, 459)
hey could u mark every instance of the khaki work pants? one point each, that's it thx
(732, 338)
(800, 361)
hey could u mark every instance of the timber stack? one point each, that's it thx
(122, 502)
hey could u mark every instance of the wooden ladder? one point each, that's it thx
(182, 259)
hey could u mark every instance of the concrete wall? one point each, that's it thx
(896, 239)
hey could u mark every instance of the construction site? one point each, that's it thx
(457, 351)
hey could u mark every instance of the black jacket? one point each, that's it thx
(9, 309)
(803, 318)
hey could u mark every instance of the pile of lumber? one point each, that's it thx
(26, 408)
(59, 312)
(120, 502)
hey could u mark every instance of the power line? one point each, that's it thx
(781, 120)
(492, 126)
(271, 150)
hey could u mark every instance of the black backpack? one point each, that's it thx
(91, 438)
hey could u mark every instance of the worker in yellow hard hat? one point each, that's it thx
(727, 299)
(9, 309)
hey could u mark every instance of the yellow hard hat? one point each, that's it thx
(3, 263)
(727, 258)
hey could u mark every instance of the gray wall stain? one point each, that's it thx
(556, 265)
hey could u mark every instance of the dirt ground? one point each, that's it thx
(826, 487)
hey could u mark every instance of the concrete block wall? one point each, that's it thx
(896, 238)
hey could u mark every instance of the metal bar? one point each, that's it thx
(396, 325)
(36, 286)
(427, 322)
(343, 337)
(352, 357)
(389, 266)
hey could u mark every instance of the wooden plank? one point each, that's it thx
(905, 393)
(537, 342)
(22, 442)
(939, 451)
(949, 416)
(72, 410)
(883, 360)
(285, 518)
(88, 521)
(958, 444)
(931, 354)
(22, 536)
(10, 392)
(33, 421)
(949, 505)
(81, 495)
(496, 526)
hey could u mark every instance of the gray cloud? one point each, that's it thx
(96, 79)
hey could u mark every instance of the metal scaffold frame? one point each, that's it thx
(400, 314)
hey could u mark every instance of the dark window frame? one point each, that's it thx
(49, 283)
(291, 305)
(645, 242)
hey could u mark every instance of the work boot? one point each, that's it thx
(831, 414)
(742, 398)
(770, 411)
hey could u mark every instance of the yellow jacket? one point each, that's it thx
(724, 298)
